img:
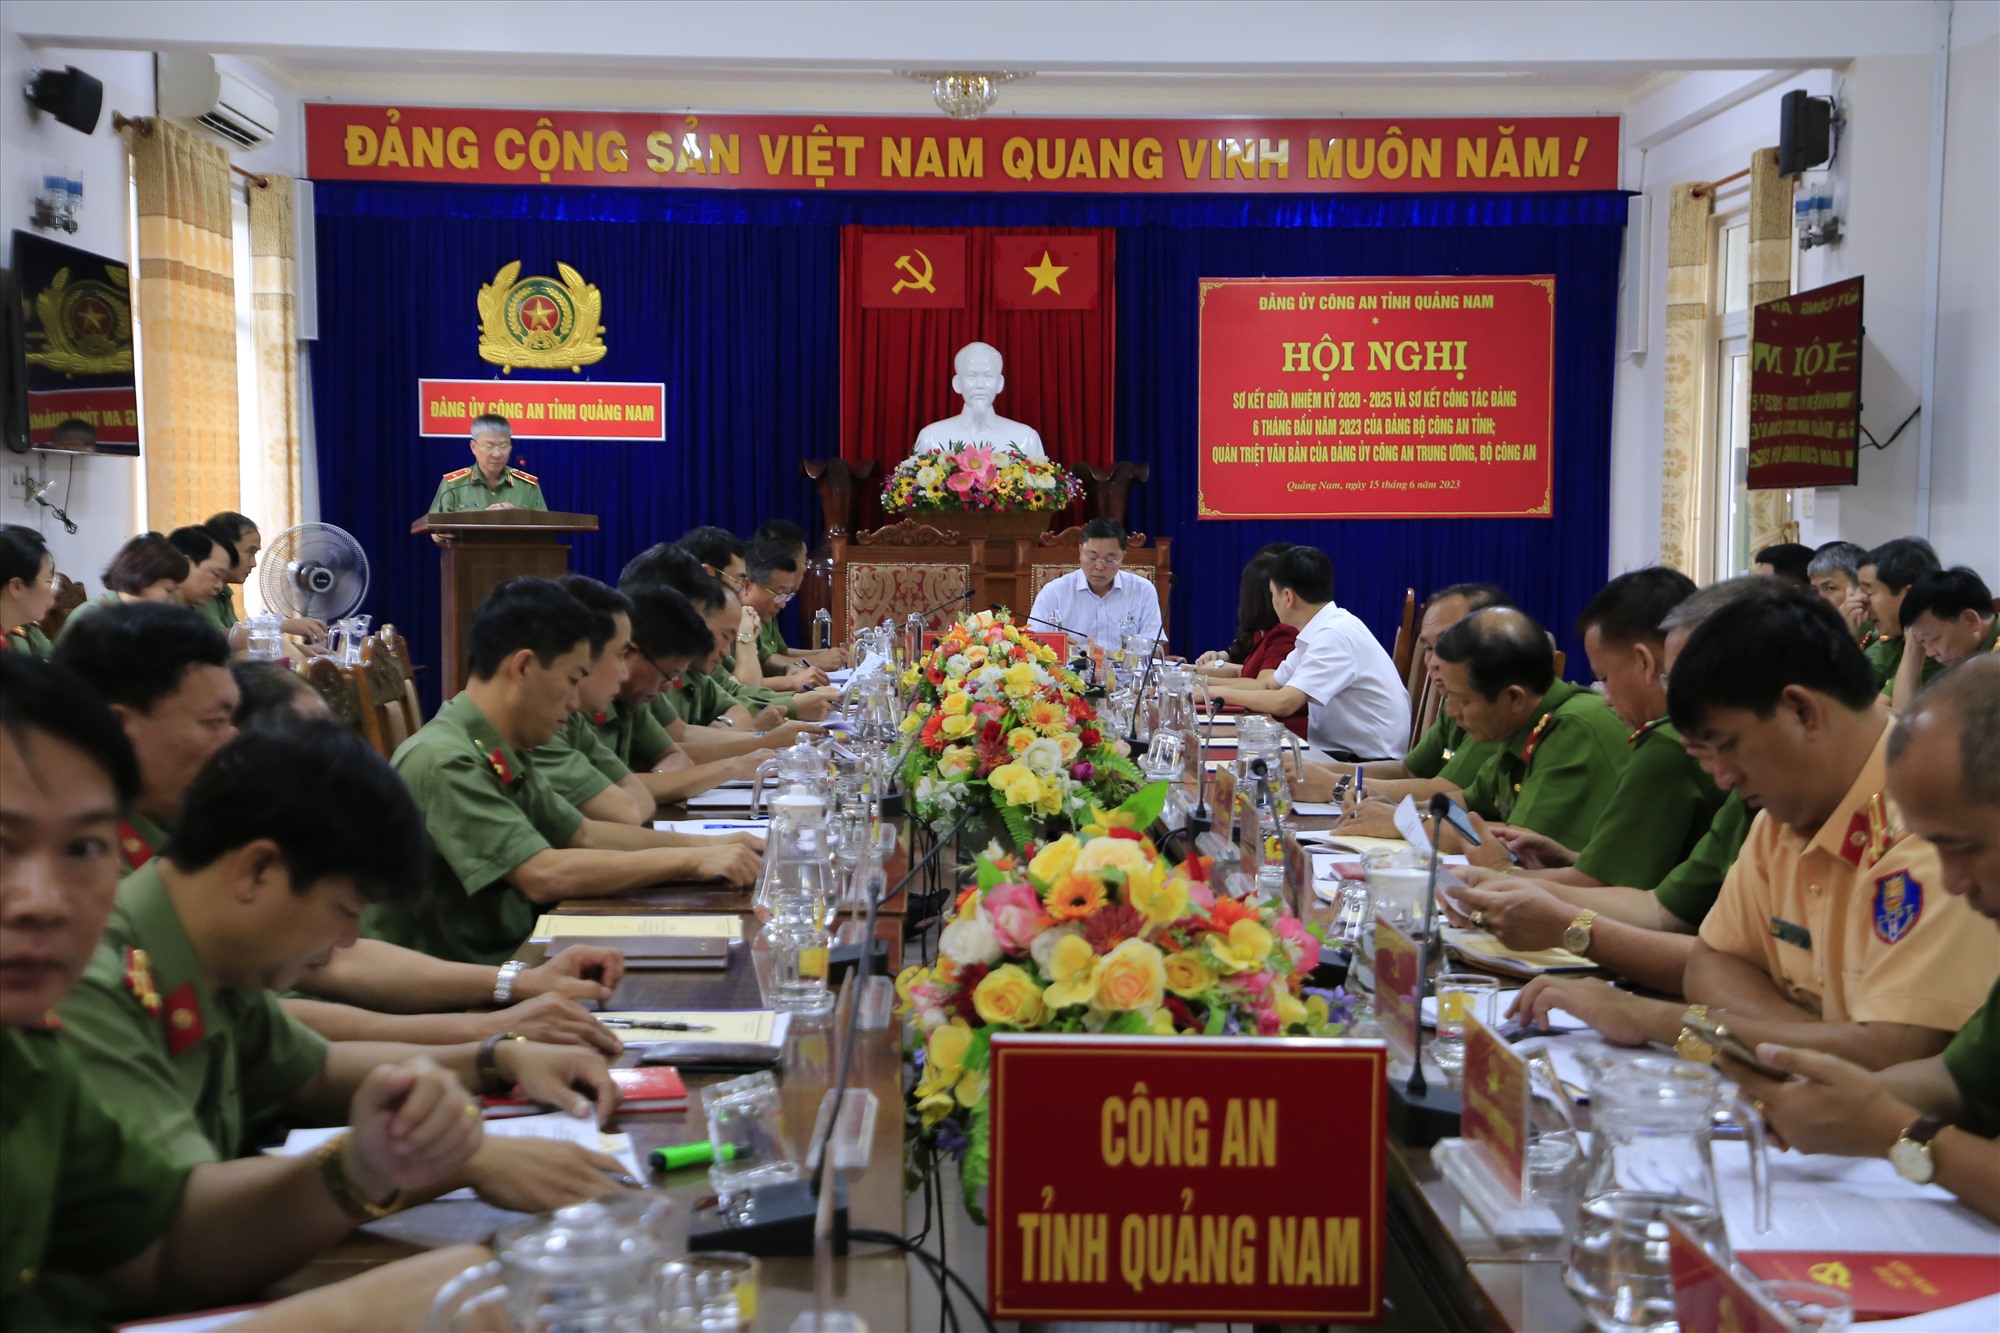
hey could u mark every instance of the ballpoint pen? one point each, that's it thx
(628, 1023)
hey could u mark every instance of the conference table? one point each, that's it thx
(1443, 1270)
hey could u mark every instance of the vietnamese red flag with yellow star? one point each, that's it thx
(912, 270)
(1045, 272)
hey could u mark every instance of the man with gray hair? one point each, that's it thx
(1644, 934)
(1835, 572)
(490, 483)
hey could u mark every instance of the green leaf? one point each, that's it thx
(977, 1053)
(1145, 804)
(1216, 1018)
(1129, 1023)
(1017, 825)
(990, 875)
(974, 1167)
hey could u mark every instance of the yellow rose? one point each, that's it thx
(1009, 995)
(1070, 747)
(1019, 739)
(1055, 860)
(1188, 974)
(1131, 978)
(908, 977)
(957, 725)
(1156, 897)
(947, 1049)
(1050, 802)
(1113, 854)
(957, 702)
(1024, 790)
(1072, 973)
(1019, 679)
(911, 722)
(1248, 945)
(957, 760)
(976, 655)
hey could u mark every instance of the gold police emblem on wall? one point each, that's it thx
(539, 323)
(86, 325)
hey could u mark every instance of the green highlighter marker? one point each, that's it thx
(698, 1153)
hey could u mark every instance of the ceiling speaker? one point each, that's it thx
(68, 94)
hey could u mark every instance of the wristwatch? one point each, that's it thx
(1576, 938)
(486, 1065)
(1911, 1154)
(503, 983)
(1691, 1045)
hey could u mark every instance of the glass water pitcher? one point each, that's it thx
(1653, 1119)
(590, 1268)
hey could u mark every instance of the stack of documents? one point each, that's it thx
(554, 1125)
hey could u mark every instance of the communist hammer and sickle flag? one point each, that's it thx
(911, 270)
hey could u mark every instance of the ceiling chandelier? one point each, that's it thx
(964, 94)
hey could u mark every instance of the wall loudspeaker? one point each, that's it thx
(68, 94)
(1805, 132)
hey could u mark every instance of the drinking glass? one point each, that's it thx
(1811, 1307)
(1461, 995)
(713, 1291)
(746, 1128)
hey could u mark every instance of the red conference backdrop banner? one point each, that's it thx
(925, 154)
(1187, 1179)
(1805, 389)
(1377, 397)
(546, 409)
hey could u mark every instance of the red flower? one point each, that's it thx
(991, 732)
(1183, 1017)
(1227, 912)
(1128, 834)
(968, 980)
(937, 677)
(1090, 738)
(1197, 868)
(1112, 927)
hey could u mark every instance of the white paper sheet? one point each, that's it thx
(554, 926)
(1980, 1316)
(1817, 1203)
(713, 827)
(721, 798)
(554, 1125)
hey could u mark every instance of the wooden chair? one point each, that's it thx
(388, 710)
(399, 648)
(1053, 554)
(335, 684)
(1406, 635)
(70, 594)
(908, 566)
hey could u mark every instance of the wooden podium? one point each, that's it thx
(484, 547)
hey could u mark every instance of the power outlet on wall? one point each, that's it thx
(21, 483)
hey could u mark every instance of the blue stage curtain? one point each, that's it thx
(732, 299)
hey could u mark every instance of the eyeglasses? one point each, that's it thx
(1093, 558)
(778, 599)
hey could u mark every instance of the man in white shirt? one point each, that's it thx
(1338, 672)
(1099, 599)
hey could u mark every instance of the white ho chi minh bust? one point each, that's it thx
(978, 382)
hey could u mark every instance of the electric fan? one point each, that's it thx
(314, 570)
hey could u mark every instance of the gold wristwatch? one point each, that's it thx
(1576, 938)
(1691, 1045)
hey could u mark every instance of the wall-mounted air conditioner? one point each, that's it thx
(194, 87)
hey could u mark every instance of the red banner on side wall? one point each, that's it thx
(925, 155)
(1377, 397)
(1805, 389)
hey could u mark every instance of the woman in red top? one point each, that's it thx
(1262, 643)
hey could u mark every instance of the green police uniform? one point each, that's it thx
(1973, 1058)
(29, 641)
(487, 808)
(84, 1193)
(1446, 751)
(754, 698)
(1662, 808)
(1885, 658)
(168, 1051)
(139, 841)
(771, 642)
(1557, 774)
(577, 763)
(634, 735)
(465, 490)
(1690, 888)
(699, 699)
(91, 607)
(220, 611)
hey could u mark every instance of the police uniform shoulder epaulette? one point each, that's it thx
(528, 477)
(459, 475)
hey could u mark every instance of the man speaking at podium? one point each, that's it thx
(490, 484)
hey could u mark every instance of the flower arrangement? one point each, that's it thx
(1095, 932)
(972, 477)
(1000, 723)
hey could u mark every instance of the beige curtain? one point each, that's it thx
(274, 289)
(1771, 519)
(1686, 351)
(187, 313)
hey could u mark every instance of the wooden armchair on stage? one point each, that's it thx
(909, 566)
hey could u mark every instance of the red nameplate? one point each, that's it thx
(1399, 987)
(1707, 1295)
(1885, 1286)
(1495, 1089)
(1191, 1179)
(644, 1088)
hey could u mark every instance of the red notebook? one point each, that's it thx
(645, 1088)
(1885, 1286)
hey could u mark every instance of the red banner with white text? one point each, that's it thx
(545, 409)
(923, 154)
(1377, 397)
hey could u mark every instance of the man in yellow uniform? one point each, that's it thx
(1833, 930)
(490, 483)
(1935, 1119)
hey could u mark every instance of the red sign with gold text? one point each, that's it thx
(1805, 389)
(111, 413)
(925, 155)
(1494, 1086)
(546, 409)
(1377, 397)
(1709, 1295)
(1399, 987)
(1190, 1179)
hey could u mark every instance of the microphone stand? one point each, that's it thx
(1079, 643)
(1417, 1087)
(1419, 1114)
(1199, 821)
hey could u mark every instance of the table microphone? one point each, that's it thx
(1079, 643)
(1440, 803)
(1145, 679)
(964, 596)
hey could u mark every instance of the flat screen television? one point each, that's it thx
(74, 373)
